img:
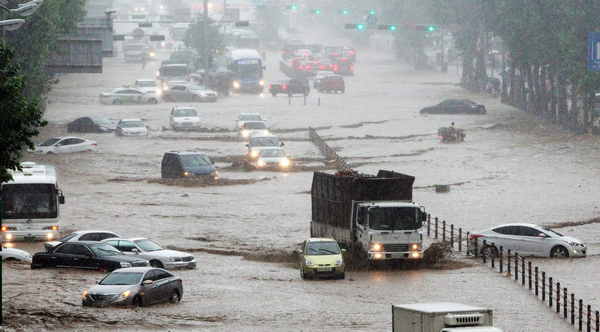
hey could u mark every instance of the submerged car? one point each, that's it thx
(455, 106)
(158, 257)
(14, 254)
(260, 142)
(187, 164)
(90, 235)
(320, 76)
(91, 125)
(131, 127)
(184, 118)
(120, 96)
(272, 158)
(86, 255)
(64, 145)
(136, 286)
(527, 240)
(247, 117)
(321, 257)
(189, 92)
(252, 128)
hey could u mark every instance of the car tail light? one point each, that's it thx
(307, 67)
(295, 52)
(344, 59)
(474, 236)
(442, 136)
(351, 52)
(282, 52)
(301, 67)
(335, 68)
(352, 67)
(95, 144)
(335, 54)
(270, 86)
(322, 67)
(104, 96)
(283, 87)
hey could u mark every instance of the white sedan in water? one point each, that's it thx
(527, 240)
(158, 257)
(131, 127)
(120, 96)
(64, 145)
(15, 254)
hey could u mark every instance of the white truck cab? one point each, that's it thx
(441, 317)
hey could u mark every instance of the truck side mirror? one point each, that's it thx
(61, 199)
(423, 216)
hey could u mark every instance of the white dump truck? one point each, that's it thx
(441, 317)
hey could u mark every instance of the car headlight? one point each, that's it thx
(266, 132)
(262, 82)
(159, 92)
(125, 264)
(236, 84)
(309, 263)
(25, 254)
(414, 246)
(85, 294)
(203, 94)
(261, 163)
(245, 133)
(375, 247)
(175, 259)
(338, 262)
(125, 294)
(285, 162)
(254, 154)
(152, 54)
(186, 173)
(575, 244)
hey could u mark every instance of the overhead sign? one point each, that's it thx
(257, 2)
(593, 51)
(371, 19)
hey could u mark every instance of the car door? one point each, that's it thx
(163, 284)
(186, 93)
(176, 92)
(62, 256)
(136, 96)
(82, 257)
(502, 237)
(62, 146)
(127, 247)
(77, 145)
(533, 243)
(151, 291)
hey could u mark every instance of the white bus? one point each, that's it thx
(30, 204)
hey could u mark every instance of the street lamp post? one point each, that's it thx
(205, 48)
(24, 10)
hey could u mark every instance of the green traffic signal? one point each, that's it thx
(431, 28)
(294, 7)
(318, 11)
(372, 12)
(344, 12)
(393, 27)
(360, 26)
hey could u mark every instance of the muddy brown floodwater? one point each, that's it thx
(511, 168)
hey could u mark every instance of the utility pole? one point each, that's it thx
(205, 48)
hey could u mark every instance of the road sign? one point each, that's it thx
(137, 34)
(371, 19)
(454, 28)
(593, 51)
(328, 10)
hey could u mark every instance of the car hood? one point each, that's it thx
(134, 129)
(166, 253)
(122, 258)
(271, 159)
(110, 289)
(262, 147)
(570, 239)
(51, 244)
(186, 119)
(323, 259)
(197, 170)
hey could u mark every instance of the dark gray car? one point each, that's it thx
(137, 286)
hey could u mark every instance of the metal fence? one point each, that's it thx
(327, 151)
(501, 260)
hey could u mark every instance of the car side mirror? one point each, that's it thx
(135, 251)
(88, 255)
(147, 282)
(96, 282)
(543, 236)
(343, 251)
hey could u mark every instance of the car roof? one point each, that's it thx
(187, 152)
(145, 80)
(89, 243)
(137, 269)
(92, 231)
(263, 135)
(516, 224)
(184, 107)
(249, 114)
(61, 138)
(131, 120)
(321, 239)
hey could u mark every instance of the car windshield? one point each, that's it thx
(101, 121)
(172, 83)
(185, 112)
(122, 278)
(131, 124)
(552, 232)
(254, 125)
(67, 237)
(147, 245)
(250, 117)
(272, 153)
(50, 142)
(393, 218)
(145, 84)
(264, 141)
(322, 248)
(106, 249)
(195, 160)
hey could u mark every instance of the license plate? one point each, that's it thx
(323, 269)
(29, 239)
(99, 304)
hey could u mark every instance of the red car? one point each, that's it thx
(332, 83)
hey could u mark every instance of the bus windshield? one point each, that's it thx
(29, 201)
(394, 218)
(174, 71)
(247, 69)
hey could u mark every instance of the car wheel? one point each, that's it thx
(559, 252)
(490, 251)
(137, 301)
(156, 263)
(153, 101)
(342, 276)
(50, 153)
(168, 98)
(117, 102)
(195, 98)
(174, 298)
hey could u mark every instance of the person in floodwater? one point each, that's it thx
(454, 130)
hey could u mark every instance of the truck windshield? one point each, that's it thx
(29, 201)
(174, 71)
(393, 218)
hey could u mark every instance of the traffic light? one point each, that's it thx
(292, 7)
(359, 26)
(344, 12)
(372, 12)
(386, 27)
(430, 28)
(315, 11)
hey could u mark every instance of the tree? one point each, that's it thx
(195, 38)
(19, 117)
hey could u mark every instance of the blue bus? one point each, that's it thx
(248, 68)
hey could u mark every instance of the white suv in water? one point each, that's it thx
(184, 118)
(260, 142)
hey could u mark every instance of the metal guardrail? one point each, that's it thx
(511, 264)
(327, 151)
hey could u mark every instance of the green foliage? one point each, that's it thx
(194, 37)
(36, 41)
(19, 117)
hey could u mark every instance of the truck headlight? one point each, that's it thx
(415, 255)
(414, 246)
(309, 263)
(125, 264)
(49, 236)
(262, 82)
(375, 247)
(159, 92)
(338, 262)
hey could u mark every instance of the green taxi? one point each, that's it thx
(321, 257)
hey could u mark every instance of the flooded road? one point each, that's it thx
(511, 168)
